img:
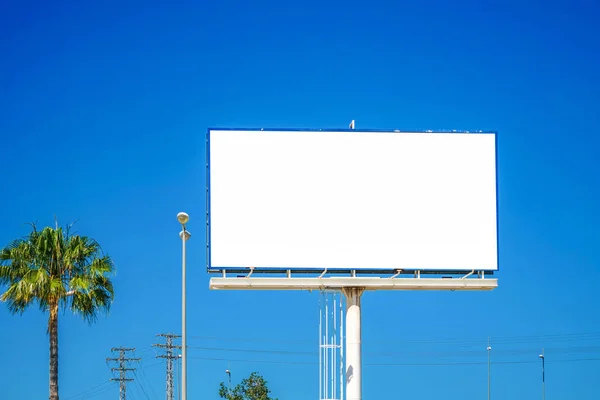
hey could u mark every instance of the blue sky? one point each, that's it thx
(104, 112)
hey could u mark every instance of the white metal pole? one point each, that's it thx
(184, 235)
(353, 344)
(489, 349)
(334, 347)
(183, 321)
(321, 346)
(326, 383)
(341, 350)
(543, 357)
(229, 376)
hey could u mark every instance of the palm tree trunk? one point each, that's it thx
(53, 332)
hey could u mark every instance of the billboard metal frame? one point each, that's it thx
(275, 271)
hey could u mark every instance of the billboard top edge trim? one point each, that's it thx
(488, 132)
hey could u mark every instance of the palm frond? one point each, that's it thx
(92, 294)
(18, 296)
(15, 263)
(89, 304)
(101, 266)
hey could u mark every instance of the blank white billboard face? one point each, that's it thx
(353, 200)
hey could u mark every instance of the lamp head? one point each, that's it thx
(183, 218)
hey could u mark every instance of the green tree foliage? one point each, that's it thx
(53, 268)
(252, 388)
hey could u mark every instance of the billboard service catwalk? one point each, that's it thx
(352, 200)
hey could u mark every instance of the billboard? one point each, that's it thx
(364, 200)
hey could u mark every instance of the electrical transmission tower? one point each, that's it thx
(169, 356)
(122, 369)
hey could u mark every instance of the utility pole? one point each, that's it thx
(169, 356)
(122, 369)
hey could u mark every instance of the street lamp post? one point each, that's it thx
(228, 372)
(543, 358)
(489, 351)
(183, 218)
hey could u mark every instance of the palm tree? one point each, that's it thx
(53, 269)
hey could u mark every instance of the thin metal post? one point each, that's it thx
(330, 304)
(326, 346)
(489, 351)
(334, 346)
(184, 235)
(321, 346)
(183, 321)
(341, 349)
(543, 357)
(228, 372)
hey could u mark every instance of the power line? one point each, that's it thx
(93, 391)
(96, 393)
(269, 340)
(396, 364)
(307, 353)
(562, 337)
(557, 337)
(122, 369)
(147, 381)
(476, 363)
(497, 351)
(154, 364)
(255, 361)
(441, 353)
(140, 385)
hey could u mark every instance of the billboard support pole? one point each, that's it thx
(353, 343)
